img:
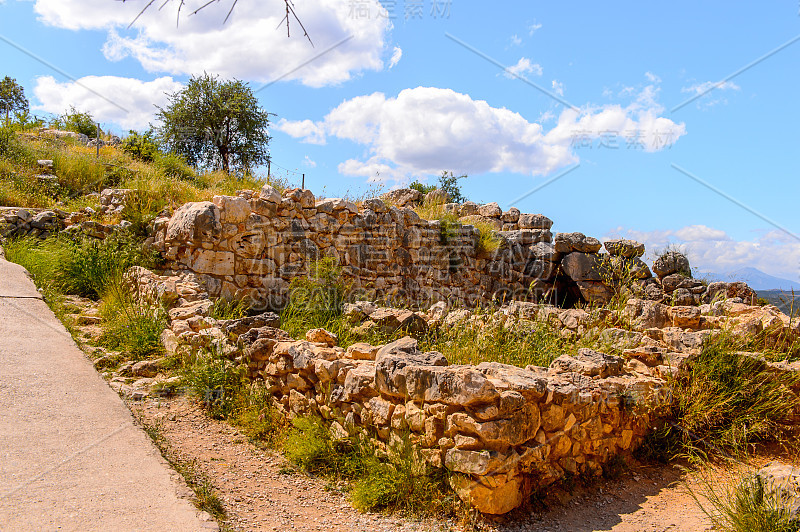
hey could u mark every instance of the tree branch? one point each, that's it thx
(289, 11)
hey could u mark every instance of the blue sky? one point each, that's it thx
(405, 90)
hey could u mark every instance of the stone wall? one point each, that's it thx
(254, 244)
(503, 430)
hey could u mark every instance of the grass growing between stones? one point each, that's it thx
(398, 481)
(536, 344)
(726, 403)
(223, 390)
(746, 505)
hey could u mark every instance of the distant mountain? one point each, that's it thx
(783, 300)
(757, 279)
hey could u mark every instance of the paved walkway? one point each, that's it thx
(70, 456)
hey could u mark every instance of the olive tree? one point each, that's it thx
(215, 124)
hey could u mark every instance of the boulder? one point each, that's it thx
(624, 248)
(242, 325)
(582, 266)
(490, 210)
(321, 336)
(722, 290)
(195, 222)
(783, 481)
(534, 221)
(391, 320)
(568, 242)
(403, 197)
(672, 262)
(590, 363)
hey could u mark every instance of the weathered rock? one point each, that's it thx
(569, 242)
(321, 336)
(197, 221)
(672, 262)
(534, 221)
(403, 197)
(490, 210)
(624, 248)
(583, 266)
(590, 363)
(242, 325)
(783, 482)
(722, 290)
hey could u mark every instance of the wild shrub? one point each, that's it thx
(488, 240)
(727, 401)
(744, 506)
(215, 381)
(398, 481)
(531, 343)
(131, 322)
(77, 121)
(316, 300)
(140, 146)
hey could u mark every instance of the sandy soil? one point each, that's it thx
(259, 495)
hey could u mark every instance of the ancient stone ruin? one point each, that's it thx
(253, 244)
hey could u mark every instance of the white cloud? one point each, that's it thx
(713, 250)
(397, 53)
(248, 46)
(308, 161)
(515, 40)
(558, 88)
(710, 92)
(533, 28)
(523, 66)
(652, 78)
(128, 102)
(310, 132)
(424, 130)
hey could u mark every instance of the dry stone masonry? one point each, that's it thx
(503, 430)
(252, 245)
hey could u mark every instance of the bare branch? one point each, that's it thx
(290, 13)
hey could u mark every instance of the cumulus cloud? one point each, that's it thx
(130, 103)
(397, 53)
(523, 66)
(310, 132)
(713, 250)
(248, 46)
(426, 129)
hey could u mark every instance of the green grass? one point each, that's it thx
(727, 402)
(215, 381)
(744, 506)
(131, 323)
(228, 310)
(399, 481)
(535, 343)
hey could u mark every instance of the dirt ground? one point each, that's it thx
(261, 493)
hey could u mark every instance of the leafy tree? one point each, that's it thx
(12, 97)
(448, 183)
(217, 124)
(77, 121)
(140, 146)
